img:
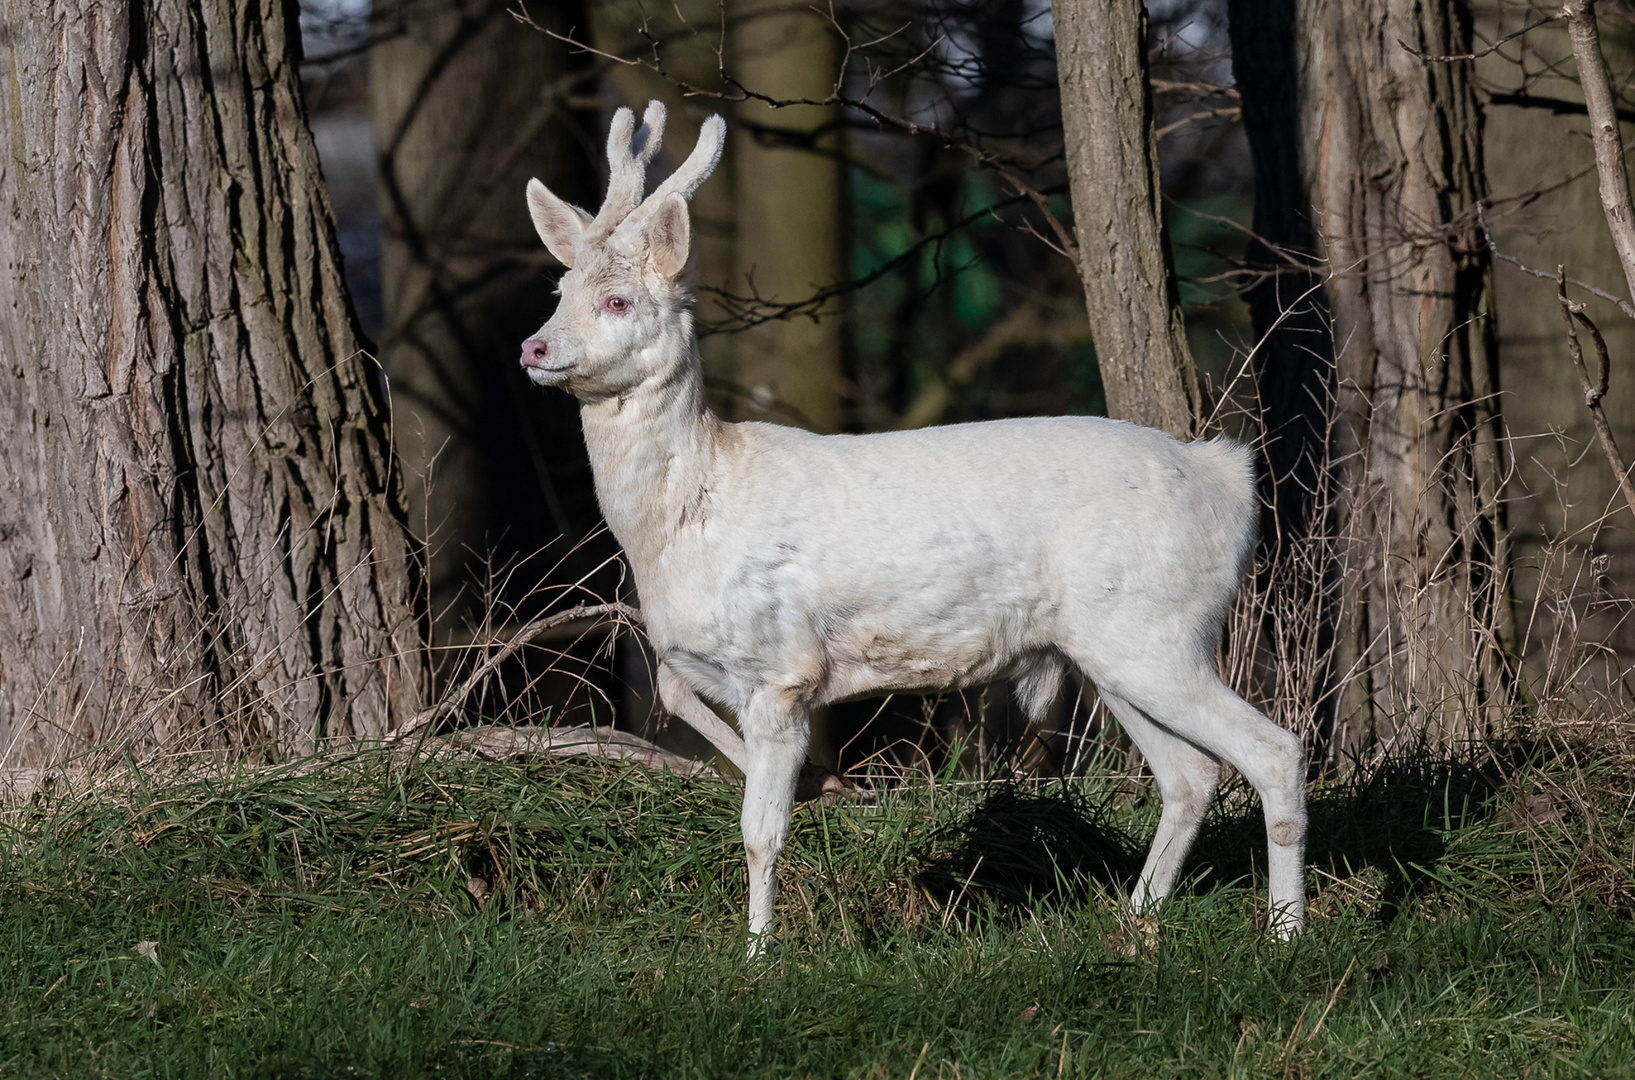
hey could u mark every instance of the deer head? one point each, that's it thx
(624, 317)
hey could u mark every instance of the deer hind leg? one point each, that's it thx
(1196, 706)
(1187, 777)
(775, 738)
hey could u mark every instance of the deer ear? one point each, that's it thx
(669, 236)
(559, 224)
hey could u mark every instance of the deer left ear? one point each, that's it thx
(559, 224)
(669, 237)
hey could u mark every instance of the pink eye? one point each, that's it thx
(616, 305)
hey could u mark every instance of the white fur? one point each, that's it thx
(779, 570)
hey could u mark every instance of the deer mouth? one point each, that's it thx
(546, 374)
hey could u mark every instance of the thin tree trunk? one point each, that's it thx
(1391, 161)
(202, 527)
(1600, 104)
(1123, 249)
(468, 104)
(786, 184)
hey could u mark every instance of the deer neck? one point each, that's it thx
(652, 451)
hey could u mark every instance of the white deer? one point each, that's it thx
(779, 570)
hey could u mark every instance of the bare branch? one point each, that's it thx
(744, 312)
(1624, 305)
(1032, 324)
(1609, 143)
(1493, 48)
(1558, 106)
(1229, 112)
(1594, 389)
(1195, 91)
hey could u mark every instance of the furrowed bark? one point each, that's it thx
(1391, 161)
(202, 525)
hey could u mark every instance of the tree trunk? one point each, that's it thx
(1391, 163)
(202, 522)
(468, 104)
(1123, 249)
(786, 182)
(1292, 637)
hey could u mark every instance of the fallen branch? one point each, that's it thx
(1594, 389)
(582, 740)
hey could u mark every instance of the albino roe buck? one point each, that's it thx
(779, 570)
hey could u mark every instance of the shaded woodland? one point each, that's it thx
(1315, 225)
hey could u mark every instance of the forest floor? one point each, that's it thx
(360, 916)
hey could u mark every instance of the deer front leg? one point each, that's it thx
(680, 699)
(775, 738)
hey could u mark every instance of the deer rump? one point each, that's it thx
(838, 567)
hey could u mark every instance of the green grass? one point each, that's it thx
(324, 921)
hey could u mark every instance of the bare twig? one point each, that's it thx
(745, 312)
(1594, 389)
(1609, 143)
(1624, 305)
(1493, 48)
(738, 92)
(1558, 106)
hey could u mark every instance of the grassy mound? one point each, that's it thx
(368, 917)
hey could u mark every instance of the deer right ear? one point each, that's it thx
(559, 224)
(669, 237)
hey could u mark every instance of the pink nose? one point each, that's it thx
(534, 352)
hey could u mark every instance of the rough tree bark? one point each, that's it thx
(468, 104)
(1390, 161)
(201, 523)
(1123, 249)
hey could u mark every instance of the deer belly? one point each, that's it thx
(864, 658)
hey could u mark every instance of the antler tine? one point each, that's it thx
(618, 137)
(653, 124)
(627, 169)
(699, 164)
